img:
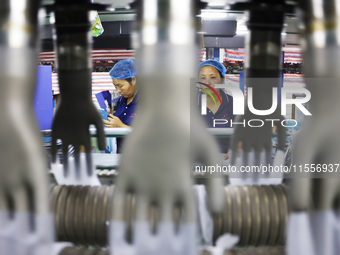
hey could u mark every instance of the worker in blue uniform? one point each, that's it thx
(123, 76)
(219, 104)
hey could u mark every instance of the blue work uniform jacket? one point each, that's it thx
(126, 113)
(225, 111)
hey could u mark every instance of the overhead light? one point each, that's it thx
(213, 14)
(216, 3)
(241, 29)
(52, 18)
(291, 49)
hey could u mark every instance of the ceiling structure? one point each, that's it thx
(217, 9)
(123, 12)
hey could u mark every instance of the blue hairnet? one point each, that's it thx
(124, 69)
(213, 63)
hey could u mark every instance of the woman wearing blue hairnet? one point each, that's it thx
(219, 104)
(123, 76)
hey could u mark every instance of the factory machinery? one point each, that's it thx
(154, 206)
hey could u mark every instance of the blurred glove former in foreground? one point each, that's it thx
(155, 166)
(76, 111)
(26, 223)
(314, 221)
(263, 50)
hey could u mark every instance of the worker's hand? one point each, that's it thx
(113, 121)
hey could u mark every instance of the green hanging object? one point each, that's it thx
(96, 25)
